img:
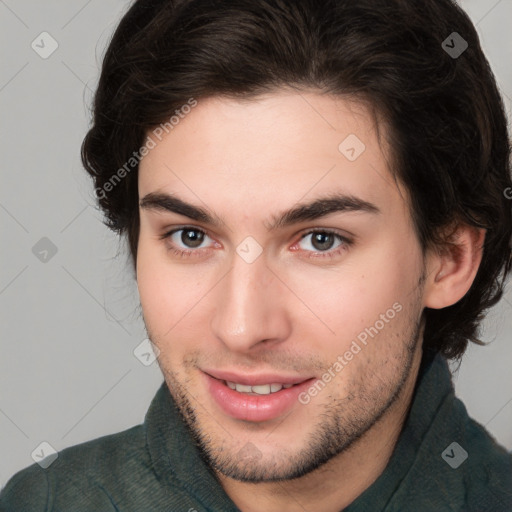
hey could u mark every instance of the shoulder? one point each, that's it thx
(466, 466)
(487, 471)
(81, 474)
(26, 490)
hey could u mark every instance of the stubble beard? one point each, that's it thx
(343, 421)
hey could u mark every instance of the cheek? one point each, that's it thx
(354, 293)
(158, 284)
(347, 302)
(168, 292)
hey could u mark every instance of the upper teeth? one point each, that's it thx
(264, 389)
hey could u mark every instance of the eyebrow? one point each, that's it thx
(321, 207)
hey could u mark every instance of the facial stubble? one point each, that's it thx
(342, 422)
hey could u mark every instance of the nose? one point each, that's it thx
(251, 309)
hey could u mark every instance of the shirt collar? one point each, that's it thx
(433, 385)
(176, 459)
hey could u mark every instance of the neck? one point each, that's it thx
(340, 481)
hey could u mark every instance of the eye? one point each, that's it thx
(185, 241)
(191, 238)
(321, 243)
(324, 243)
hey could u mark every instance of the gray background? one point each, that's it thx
(70, 324)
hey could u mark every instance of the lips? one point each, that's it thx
(254, 398)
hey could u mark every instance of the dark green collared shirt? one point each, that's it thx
(443, 462)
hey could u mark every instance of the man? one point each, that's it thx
(314, 197)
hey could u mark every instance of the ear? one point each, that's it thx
(452, 269)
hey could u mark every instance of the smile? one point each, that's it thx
(263, 389)
(254, 398)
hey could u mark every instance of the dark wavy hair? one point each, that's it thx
(445, 119)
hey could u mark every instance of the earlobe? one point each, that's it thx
(452, 270)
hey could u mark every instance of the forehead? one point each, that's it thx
(269, 151)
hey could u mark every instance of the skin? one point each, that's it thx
(286, 312)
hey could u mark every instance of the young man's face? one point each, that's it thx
(259, 302)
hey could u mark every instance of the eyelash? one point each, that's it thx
(332, 253)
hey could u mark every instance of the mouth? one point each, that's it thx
(254, 398)
(262, 389)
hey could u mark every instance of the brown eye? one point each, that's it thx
(192, 237)
(186, 240)
(322, 241)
